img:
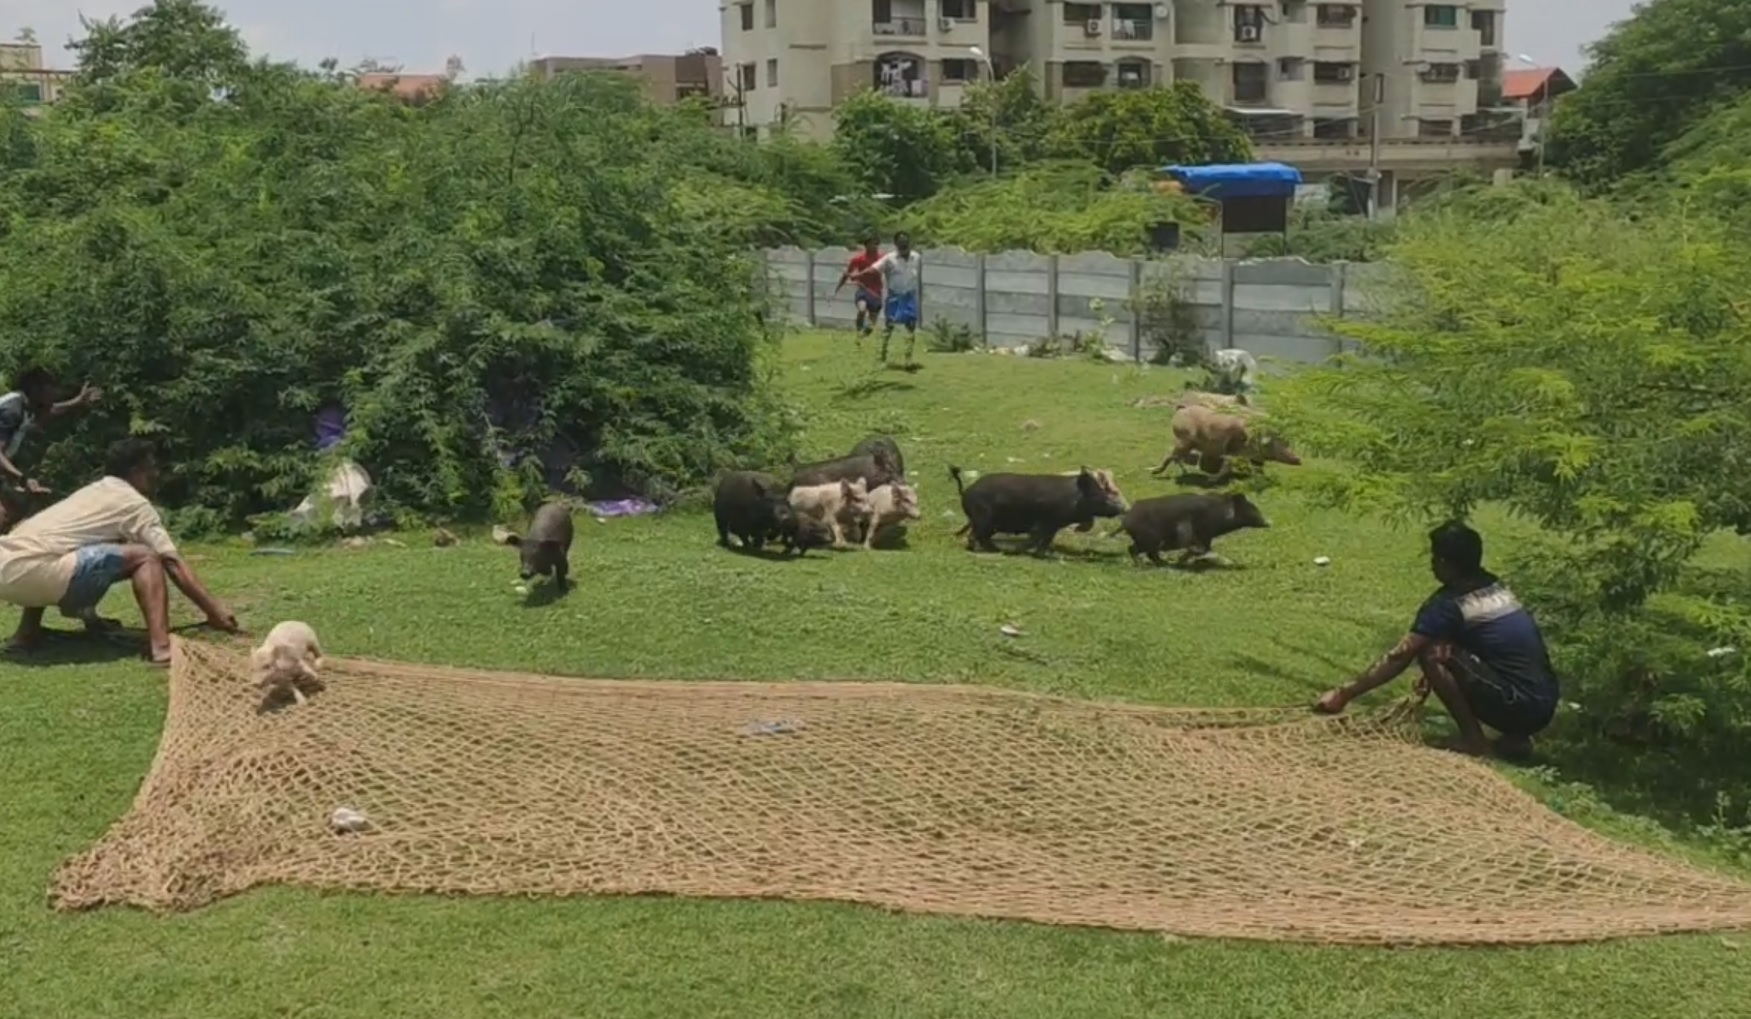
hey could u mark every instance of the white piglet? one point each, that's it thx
(287, 662)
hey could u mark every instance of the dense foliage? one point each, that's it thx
(225, 246)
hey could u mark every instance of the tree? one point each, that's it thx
(1148, 127)
(1008, 114)
(1586, 373)
(1652, 78)
(896, 148)
(185, 40)
(1062, 206)
(512, 277)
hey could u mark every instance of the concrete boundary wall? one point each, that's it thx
(1273, 307)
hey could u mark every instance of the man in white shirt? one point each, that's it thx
(71, 553)
(900, 270)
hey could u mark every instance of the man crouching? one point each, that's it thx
(71, 553)
(1481, 653)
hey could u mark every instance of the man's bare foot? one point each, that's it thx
(1332, 702)
(1461, 745)
(159, 658)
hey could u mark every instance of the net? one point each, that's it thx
(938, 799)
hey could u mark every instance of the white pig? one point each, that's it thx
(831, 505)
(287, 660)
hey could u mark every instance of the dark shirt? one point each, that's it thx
(1485, 618)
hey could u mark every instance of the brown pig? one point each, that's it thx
(1213, 437)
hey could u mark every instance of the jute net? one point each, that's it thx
(936, 799)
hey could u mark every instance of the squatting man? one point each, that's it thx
(1481, 652)
(71, 553)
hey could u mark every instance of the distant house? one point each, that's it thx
(24, 79)
(1535, 92)
(409, 88)
(665, 78)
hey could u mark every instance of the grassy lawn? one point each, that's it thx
(656, 597)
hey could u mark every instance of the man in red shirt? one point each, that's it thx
(868, 297)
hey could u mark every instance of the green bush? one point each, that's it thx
(533, 251)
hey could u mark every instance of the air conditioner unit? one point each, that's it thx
(1162, 11)
(1247, 33)
(1092, 28)
(946, 24)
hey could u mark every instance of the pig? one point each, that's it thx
(890, 507)
(286, 663)
(830, 504)
(1038, 505)
(882, 444)
(1185, 522)
(873, 469)
(754, 507)
(1194, 398)
(546, 549)
(1212, 436)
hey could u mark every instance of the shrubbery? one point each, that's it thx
(503, 269)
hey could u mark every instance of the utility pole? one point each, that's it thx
(1374, 147)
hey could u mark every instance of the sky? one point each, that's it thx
(492, 35)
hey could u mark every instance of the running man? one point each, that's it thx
(899, 271)
(71, 553)
(19, 410)
(1481, 652)
(868, 297)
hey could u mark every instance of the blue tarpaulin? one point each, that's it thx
(1237, 180)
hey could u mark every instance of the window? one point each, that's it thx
(1484, 24)
(747, 10)
(1435, 129)
(772, 73)
(745, 78)
(1291, 68)
(959, 69)
(26, 93)
(1333, 74)
(1076, 14)
(1249, 23)
(1333, 128)
(1133, 74)
(900, 75)
(960, 10)
(1440, 74)
(1294, 11)
(1084, 74)
(771, 13)
(1474, 69)
(1251, 83)
(1336, 16)
(1441, 16)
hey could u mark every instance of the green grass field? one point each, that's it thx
(656, 597)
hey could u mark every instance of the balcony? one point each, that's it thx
(902, 18)
(901, 75)
(1335, 16)
(1133, 73)
(1133, 23)
(1400, 155)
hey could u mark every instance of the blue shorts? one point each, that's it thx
(902, 309)
(96, 568)
(864, 299)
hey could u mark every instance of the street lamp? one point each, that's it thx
(990, 76)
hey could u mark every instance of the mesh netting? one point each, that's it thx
(937, 799)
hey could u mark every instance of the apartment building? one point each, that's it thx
(666, 78)
(1303, 78)
(23, 76)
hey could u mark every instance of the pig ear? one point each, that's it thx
(759, 486)
(514, 539)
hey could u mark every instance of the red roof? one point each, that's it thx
(1528, 83)
(406, 86)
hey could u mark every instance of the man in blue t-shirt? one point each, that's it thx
(1481, 652)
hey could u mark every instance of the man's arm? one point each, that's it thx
(1385, 669)
(183, 576)
(87, 396)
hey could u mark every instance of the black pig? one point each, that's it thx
(546, 550)
(1186, 522)
(882, 444)
(1038, 505)
(752, 506)
(873, 469)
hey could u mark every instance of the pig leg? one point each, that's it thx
(837, 530)
(1043, 536)
(560, 569)
(723, 534)
(1180, 449)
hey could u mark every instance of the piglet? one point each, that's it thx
(1188, 523)
(546, 549)
(287, 662)
(831, 504)
(890, 507)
